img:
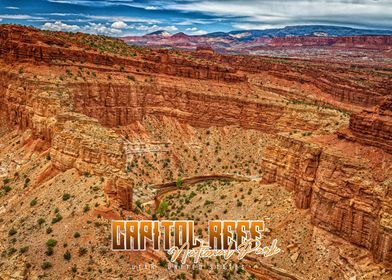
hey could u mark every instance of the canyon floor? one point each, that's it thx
(91, 129)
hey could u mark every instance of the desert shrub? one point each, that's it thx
(24, 249)
(49, 251)
(86, 208)
(179, 182)
(162, 208)
(162, 262)
(46, 265)
(51, 243)
(82, 251)
(33, 202)
(12, 232)
(67, 255)
(57, 218)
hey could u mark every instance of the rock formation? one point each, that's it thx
(77, 97)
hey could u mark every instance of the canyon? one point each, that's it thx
(106, 122)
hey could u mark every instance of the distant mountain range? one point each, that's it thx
(245, 41)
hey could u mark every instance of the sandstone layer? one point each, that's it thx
(347, 191)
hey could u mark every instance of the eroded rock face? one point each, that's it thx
(81, 142)
(292, 164)
(122, 104)
(369, 42)
(29, 45)
(346, 200)
(345, 195)
(374, 126)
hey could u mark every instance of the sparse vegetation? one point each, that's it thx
(46, 265)
(34, 202)
(12, 232)
(57, 218)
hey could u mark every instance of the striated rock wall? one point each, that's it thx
(121, 104)
(344, 192)
(350, 202)
(76, 141)
(366, 42)
(20, 44)
(373, 126)
(356, 85)
(81, 142)
(292, 164)
(29, 104)
(359, 85)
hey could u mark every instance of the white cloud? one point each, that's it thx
(92, 28)
(12, 8)
(250, 26)
(199, 32)
(123, 18)
(152, 28)
(191, 29)
(195, 31)
(289, 12)
(21, 17)
(59, 26)
(119, 25)
(99, 28)
(170, 28)
(151, 8)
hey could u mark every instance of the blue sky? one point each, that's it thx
(136, 17)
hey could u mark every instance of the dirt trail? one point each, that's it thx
(168, 187)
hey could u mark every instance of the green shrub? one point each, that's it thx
(12, 232)
(24, 249)
(57, 218)
(179, 182)
(6, 180)
(86, 208)
(162, 262)
(76, 234)
(46, 265)
(49, 251)
(162, 208)
(66, 196)
(51, 243)
(67, 255)
(34, 202)
(40, 221)
(11, 251)
(82, 251)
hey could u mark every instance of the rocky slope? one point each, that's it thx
(346, 189)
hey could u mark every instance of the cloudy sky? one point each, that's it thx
(135, 17)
